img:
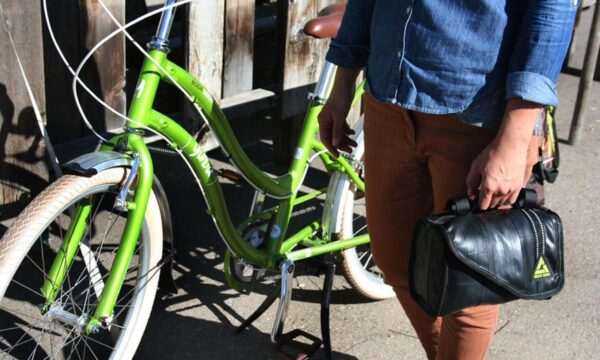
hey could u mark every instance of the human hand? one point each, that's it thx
(333, 129)
(505, 165)
(499, 173)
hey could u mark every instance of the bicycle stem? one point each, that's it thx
(160, 41)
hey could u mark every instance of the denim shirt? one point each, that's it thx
(459, 57)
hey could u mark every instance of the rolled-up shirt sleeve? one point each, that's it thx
(350, 48)
(541, 47)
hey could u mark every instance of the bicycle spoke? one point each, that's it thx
(71, 294)
(18, 312)
(97, 342)
(359, 230)
(9, 329)
(19, 343)
(368, 261)
(135, 287)
(363, 255)
(74, 348)
(62, 345)
(44, 256)
(37, 345)
(28, 288)
(88, 347)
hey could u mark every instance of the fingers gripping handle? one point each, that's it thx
(463, 205)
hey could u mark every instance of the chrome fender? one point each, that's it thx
(91, 164)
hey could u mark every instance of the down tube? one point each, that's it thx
(212, 191)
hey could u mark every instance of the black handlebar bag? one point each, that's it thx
(464, 258)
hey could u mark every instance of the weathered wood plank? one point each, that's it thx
(108, 67)
(300, 67)
(239, 47)
(304, 55)
(204, 58)
(23, 170)
(206, 22)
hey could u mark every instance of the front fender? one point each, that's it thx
(93, 163)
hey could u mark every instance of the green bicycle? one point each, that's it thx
(79, 267)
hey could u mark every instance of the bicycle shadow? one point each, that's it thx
(20, 171)
(202, 317)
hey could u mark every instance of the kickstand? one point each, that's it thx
(288, 339)
(325, 302)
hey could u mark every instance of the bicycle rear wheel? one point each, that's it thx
(28, 249)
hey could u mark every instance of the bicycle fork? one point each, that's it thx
(107, 292)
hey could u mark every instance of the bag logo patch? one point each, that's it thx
(541, 269)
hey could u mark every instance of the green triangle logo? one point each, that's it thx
(541, 269)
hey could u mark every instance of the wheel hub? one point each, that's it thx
(56, 313)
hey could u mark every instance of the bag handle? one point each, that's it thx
(463, 205)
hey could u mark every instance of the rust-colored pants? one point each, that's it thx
(413, 164)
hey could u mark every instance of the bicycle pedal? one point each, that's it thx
(303, 351)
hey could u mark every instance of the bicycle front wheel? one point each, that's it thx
(30, 246)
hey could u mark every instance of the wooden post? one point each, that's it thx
(23, 169)
(204, 48)
(109, 60)
(302, 60)
(206, 22)
(239, 47)
(303, 55)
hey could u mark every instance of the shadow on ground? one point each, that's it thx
(199, 321)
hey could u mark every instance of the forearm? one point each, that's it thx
(519, 121)
(345, 78)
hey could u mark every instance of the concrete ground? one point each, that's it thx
(199, 321)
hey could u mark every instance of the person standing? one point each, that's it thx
(454, 92)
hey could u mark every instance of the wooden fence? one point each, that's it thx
(251, 55)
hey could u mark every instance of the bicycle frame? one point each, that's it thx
(285, 188)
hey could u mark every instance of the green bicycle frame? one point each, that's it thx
(284, 188)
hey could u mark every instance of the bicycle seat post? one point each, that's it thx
(324, 84)
(160, 41)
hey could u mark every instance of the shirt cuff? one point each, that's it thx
(349, 56)
(532, 87)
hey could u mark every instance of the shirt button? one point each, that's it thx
(394, 101)
(408, 9)
(399, 54)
